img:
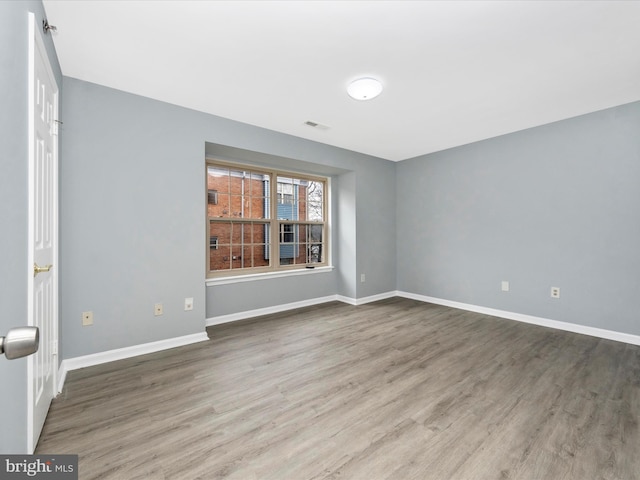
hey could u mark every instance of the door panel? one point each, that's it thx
(43, 164)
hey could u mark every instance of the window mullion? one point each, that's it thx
(274, 225)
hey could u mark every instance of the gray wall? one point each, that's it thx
(131, 229)
(557, 205)
(133, 218)
(376, 225)
(14, 269)
(346, 247)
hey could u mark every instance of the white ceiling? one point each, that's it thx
(454, 72)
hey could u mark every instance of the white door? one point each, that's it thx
(43, 232)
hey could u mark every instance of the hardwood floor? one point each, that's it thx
(396, 389)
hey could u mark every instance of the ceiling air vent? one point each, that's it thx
(317, 125)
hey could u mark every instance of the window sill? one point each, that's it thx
(266, 276)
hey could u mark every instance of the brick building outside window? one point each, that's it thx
(262, 220)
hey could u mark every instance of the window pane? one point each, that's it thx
(255, 233)
(315, 201)
(237, 261)
(286, 233)
(287, 197)
(236, 208)
(219, 258)
(285, 191)
(238, 185)
(236, 245)
(300, 199)
(218, 179)
(315, 253)
(220, 230)
(219, 246)
(254, 256)
(240, 203)
(218, 191)
(255, 245)
(314, 233)
(255, 207)
(311, 243)
(239, 193)
(315, 246)
(256, 186)
(287, 238)
(236, 233)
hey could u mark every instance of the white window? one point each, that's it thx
(264, 220)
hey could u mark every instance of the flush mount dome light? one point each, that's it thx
(364, 88)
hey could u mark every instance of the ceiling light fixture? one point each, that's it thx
(364, 88)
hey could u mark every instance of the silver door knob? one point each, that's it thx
(20, 342)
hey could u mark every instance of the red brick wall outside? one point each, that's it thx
(232, 204)
(242, 245)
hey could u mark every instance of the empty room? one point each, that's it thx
(320, 239)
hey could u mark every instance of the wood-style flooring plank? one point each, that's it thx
(396, 389)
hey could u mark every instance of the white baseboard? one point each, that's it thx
(126, 352)
(363, 300)
(349, 300)
(234, 317)
(543, 322)
(135, 350)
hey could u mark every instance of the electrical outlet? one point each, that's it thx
(505, 286)
(362, 278)
(87, 319)
(158, 309)
(555, 292)
(188, 304)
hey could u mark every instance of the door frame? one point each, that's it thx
(36, 46)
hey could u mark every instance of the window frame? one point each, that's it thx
(274, 223)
